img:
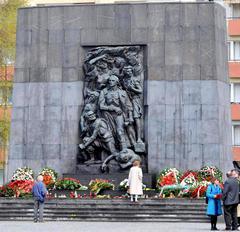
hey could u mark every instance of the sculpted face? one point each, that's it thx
(112, 81)
(90, 116)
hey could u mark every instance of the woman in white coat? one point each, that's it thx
(135, 180)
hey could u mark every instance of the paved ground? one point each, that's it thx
(103, 227)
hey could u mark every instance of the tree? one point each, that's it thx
(8, 18)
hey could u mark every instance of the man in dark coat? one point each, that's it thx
(39, 192)
(230, 201)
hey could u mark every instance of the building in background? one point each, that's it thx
(233, 23)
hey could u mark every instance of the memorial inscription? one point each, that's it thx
(111, 121)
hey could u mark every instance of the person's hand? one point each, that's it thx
(81, 146)
(215, 196)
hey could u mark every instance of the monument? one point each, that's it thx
(97, 86)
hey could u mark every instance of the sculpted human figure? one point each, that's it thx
(116, 108)
(98, 135)
(134, 89)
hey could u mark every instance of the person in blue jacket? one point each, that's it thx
(214, 207)
(39, 192)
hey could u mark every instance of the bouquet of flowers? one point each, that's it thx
(189, 178)
(199, 190)
(23, 174)
(207, 172)
(123, 185)
(49, 177)
(21, 187)
(69, 184)
(169, 176)
(5, 191)
(98, 185)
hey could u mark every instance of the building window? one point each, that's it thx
(235, 92)
(236, 10)
(236, 135)
(234, 50)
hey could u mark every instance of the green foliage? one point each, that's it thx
(69, 184)
(8, 18)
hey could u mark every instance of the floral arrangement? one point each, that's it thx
(97, 185)
(5, 191)
(21, 187)
(69, 184)
(169, 176)
(24, 173)
(123, 185)
(207, 172)
(49, 177)
(189, 178)
(200, 190)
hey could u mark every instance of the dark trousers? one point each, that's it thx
(213, 221)
(230, 216)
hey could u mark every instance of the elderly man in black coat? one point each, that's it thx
(230, 200)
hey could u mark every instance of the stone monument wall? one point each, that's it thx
(186, 89)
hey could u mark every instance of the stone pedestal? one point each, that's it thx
(187, 109)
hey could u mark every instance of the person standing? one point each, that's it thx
(135, 181)
(230, 201)
(214, 208)
(39, 192)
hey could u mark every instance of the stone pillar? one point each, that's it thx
(187, 109)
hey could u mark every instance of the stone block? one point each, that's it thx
(70, 113)
(53, 94)
(18, 113)
(35, 113)
(69, 132)
(23, 57)
(155, 54)
(208, 72)
(20, 94)
(191, 53)
(191, 130)
(42, 18)
(22, 19)
(23, 37)
(55, 18)
(35, 132)
(207, 33)
(139, 35)
(56, 36)
(89, 36)
(156, 34)
(13, 165)
(34, 152)
(54, 74)
(37, 74)
(173, 53)
(17, 152)
(156, 92)
(72, 36)
(52, 132)
(21, 75)
(174, 152)
(174, 92)
(39, 36)
(55, 164)
(174, 112)
(51, 151)
(33, 18)
(210, 112)
(173, 73)
(211, 154)
(209, 131)
(123, 36)
(36, 91)
(122, 17)
(206, 14)
(191, 72)
(173, 15)
(207, 52)
(36, 164)
(68, 165)
(106, 36)
(52, 113)
(194, 154)
(69, 151)
(191, 33)
(190, 15)
(174, 133)
(72, 93)
(139, 16)
(70, 56)
(209, 92)
(105, 16)
(223, 93)
(55, 55)
(173, 33)
(156, 72)
(191, 91)
(70, 74)
(192, 112)
(38, 57)
(156, 15)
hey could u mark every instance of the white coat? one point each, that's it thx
(135, 181)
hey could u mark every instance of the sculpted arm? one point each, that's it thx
(93, 136)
